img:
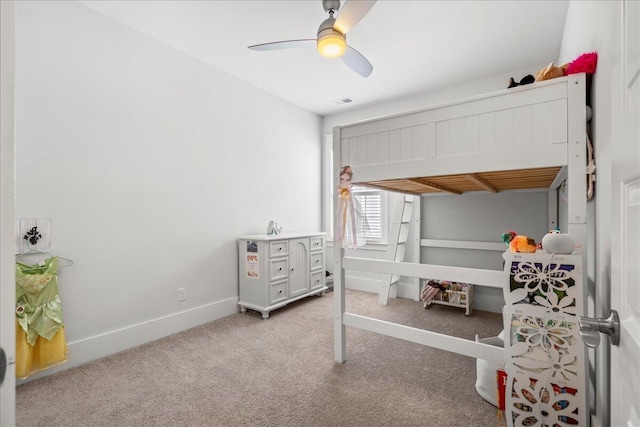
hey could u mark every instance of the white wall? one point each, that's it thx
(149, 164)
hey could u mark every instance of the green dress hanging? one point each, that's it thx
(40, 341)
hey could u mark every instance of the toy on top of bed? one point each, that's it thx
(585, 63)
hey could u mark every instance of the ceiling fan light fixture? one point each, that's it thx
(331, 39)
(332, 44)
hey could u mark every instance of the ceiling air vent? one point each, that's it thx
(342, 101)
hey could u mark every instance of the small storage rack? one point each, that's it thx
(445, 292)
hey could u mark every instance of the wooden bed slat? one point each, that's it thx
(496, 181)
(430, 185)
(474, 177)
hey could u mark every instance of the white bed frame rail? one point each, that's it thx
(463, 346)
(424, 337)
(538, 125)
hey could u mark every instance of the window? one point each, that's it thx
(371, 205)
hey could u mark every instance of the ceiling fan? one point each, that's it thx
(332, 35)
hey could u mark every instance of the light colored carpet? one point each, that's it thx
(245, 371)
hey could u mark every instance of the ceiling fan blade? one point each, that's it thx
(357, 62)
(286, 44)
(351, 13)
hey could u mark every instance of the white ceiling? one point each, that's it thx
(414, 46)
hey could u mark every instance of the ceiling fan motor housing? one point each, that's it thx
(327, 28)
(331, 6)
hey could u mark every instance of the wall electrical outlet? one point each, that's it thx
(182, 294)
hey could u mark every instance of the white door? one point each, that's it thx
(625, 213)
(7, 251)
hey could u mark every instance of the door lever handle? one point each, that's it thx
(590, 329)
(3, 365)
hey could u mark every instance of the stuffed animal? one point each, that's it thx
(518, 243)
(551, 71)
(555, 242)
(528, 79)
(585, 63)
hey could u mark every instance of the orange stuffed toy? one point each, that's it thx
(518, 243)
(551, 71)
(585, 63)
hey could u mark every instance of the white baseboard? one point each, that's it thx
(362, 284)
(409, 290)
(406, 290)
(96, 347)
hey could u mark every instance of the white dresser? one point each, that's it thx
(275, 270)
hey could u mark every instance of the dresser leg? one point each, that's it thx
(243, 309)
(265, 314)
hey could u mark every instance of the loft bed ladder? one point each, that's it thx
(397, 246)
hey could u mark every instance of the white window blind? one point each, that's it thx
(371, 205)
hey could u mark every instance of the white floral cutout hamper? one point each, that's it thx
(545, 355)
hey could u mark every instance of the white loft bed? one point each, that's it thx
(531, 136)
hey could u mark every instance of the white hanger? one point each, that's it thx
(66, 262)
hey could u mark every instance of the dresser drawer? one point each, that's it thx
(279, 292)
(280, 248)
(317, 280)
(316, 261)
(317, 243)
(279, 268)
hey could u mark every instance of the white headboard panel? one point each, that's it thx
(531, 119)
